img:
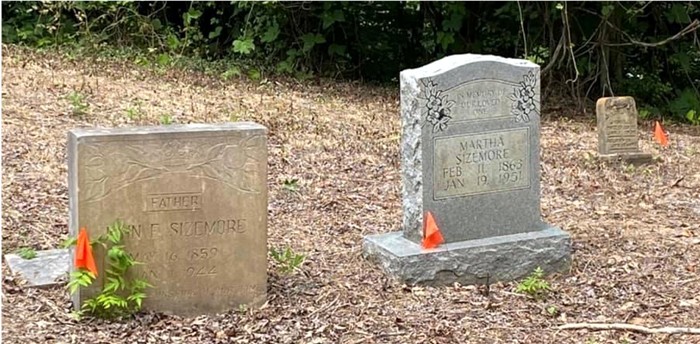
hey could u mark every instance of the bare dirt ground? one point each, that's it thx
(636, 230)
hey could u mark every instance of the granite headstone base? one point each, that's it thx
(480, 261)
(637, 158)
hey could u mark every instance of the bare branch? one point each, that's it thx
(630, 327)
(688, 29)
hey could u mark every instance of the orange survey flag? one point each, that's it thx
(431, 233)
(660, 134)
(83, 253)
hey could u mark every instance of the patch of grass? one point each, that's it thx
(291, 185)
(78, 105)
(288, 260)
(165, 119)
(534, 285)
(629, 168)
(230, 73)
(133, 112)
(26, 253)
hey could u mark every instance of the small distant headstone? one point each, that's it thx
(470, 156)
(47, 269)
(617, 130)
(195, 198)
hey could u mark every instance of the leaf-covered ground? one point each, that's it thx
(636, 230)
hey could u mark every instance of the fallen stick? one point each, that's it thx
(630, 327)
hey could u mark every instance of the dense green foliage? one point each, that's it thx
(120, 295)
(649, 50)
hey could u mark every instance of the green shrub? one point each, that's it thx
(589, 49)
(119, 296)
(287, 260)
(534, 285)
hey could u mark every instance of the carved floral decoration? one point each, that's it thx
(523, 98)
(110, 167)
(437, 108)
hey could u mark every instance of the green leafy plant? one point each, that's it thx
(291, 185)
(287, 260)
(693, 117)
(78, 105)
(534, 285)
(134, 112)
(120, 296)
(645, 113)
(166, 119)
(26, 253)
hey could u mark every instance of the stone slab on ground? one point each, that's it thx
(47, 269)
(638, 158)
(503, 258)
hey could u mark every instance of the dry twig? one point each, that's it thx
(630, 327)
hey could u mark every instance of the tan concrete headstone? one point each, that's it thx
(196, 198)
(617, 130)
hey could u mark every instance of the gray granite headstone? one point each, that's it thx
(617, 130)
(470, 155)
(195, 198)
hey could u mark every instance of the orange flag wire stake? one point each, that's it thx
(660, 134)
(431, 233)
(83, 253)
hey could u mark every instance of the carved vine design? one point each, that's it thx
(110, 167)
(523, 98)
(437, 107)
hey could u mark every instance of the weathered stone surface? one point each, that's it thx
(617, 130)
(479, 261)
(470, 147)
(470, 156)
(196, 198)
(638, 158)
(47, 269)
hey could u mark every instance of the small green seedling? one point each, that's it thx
(534, 285)
(134, 112)
(552, 310)
(166, 119)
(77, 101)
(26, 253)
(291, 185)
(288, 260)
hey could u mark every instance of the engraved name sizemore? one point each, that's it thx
(190, 228)
(481, 150)
(200, 228)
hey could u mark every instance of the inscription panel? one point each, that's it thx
(196, 204)
(621, 134)
(481, 163)
(481, 99)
